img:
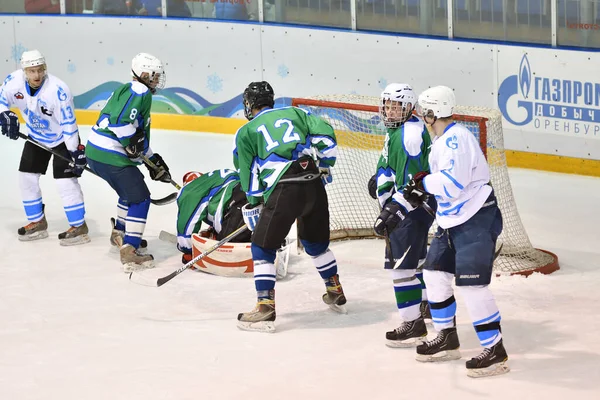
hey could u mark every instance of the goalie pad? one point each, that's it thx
(233, 259)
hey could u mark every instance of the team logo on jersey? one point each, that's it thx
(19, 96)
(62, 96)
(551, 104)
(47, 112)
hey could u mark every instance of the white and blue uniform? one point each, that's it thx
(469, 224)
(49, 115)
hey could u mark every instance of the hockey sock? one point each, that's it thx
(419, 276)
(407, 289)
(322, 258)
(122, 210)
(72, 199)
(441, 298)
(265, 274)
(31, 195)
(135, 223)
(484, 313)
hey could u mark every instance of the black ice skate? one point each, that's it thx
(116, 238)
(34, 230)
(74, 235)
(335, 297)
(409, 334)
(492, 361)
(444, 347)
(132, 260)
(262, 318)
(426, 312)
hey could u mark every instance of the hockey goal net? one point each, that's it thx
(360, 135)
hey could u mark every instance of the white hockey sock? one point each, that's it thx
(31, 194)
(265, 276)
(407, 289)
(441, 298)
(484, 313)
(72, 199)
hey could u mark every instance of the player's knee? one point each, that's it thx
(314, 249)
(260, 253)
(403, 273)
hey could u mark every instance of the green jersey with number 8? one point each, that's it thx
(266, 146)
(127, 109)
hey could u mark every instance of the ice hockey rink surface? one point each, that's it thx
(74, 327)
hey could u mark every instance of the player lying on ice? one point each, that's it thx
(283, 157)
(216, 199)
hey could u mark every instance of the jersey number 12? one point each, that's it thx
(288, 137)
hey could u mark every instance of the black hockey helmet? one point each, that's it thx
(256, 96)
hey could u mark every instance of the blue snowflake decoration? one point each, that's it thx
(71, 68)
(382, 83)
(354, 93)
(283, 71)
(17, 51)
(214, 83)
(110, 61)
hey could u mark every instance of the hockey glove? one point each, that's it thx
(79, 160)
(391, 215)
(136, 144)
(161, 170)
(372, 186)
(10, 124)
(326, 176)
(414, 192)
(251, 214)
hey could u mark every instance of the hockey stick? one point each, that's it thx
(154, 167)
(159, 202)
(165, 279)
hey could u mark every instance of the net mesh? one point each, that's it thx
(360, 134)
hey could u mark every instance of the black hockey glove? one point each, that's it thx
(414, 192)
(136, 144)
(79, 160)
(372, 186)
(10, 124)
(391, 215)
(161, 171)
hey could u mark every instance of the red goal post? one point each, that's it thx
(360, 135)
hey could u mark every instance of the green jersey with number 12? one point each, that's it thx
(127, 109)
(266, 146)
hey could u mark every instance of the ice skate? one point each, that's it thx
(116, 238)
(74, 235)
(335, 297)
(262, 318)
(132, 260)
(492, 361)
(426, 312)
(34, 230)
(444, 347)
(409, 334)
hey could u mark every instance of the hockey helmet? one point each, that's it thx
(190, 176)
(32, 58)
(147, 63)
(256, 96)
(436, 102)
(397, 104)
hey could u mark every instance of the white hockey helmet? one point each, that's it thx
(436, 102)
(147, 63)
(32, 58)
(397, 103)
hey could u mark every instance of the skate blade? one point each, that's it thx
(492, 370)
(74, 241)
(403, 344)
(34, 236)
(447, 355)
(261, 326)
(338, 309)
(133, 267)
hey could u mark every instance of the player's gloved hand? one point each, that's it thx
(414, 192)
(136, 144)
(10, 124)
(372, 186)
(251, 214)
(392, 214)
(326, 176)
(79, 160)
(161, 172)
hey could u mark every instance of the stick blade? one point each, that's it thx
(165, 200)
(140, 279)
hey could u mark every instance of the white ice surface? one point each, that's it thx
(72, 326)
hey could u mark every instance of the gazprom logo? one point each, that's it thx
(527, 97)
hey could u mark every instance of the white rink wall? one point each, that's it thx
(550, 98)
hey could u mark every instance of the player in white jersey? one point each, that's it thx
(47, 107)
(463, 248)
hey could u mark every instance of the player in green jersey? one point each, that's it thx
(405, 154)
(216, 199)
(284, 157)
(121, 135)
